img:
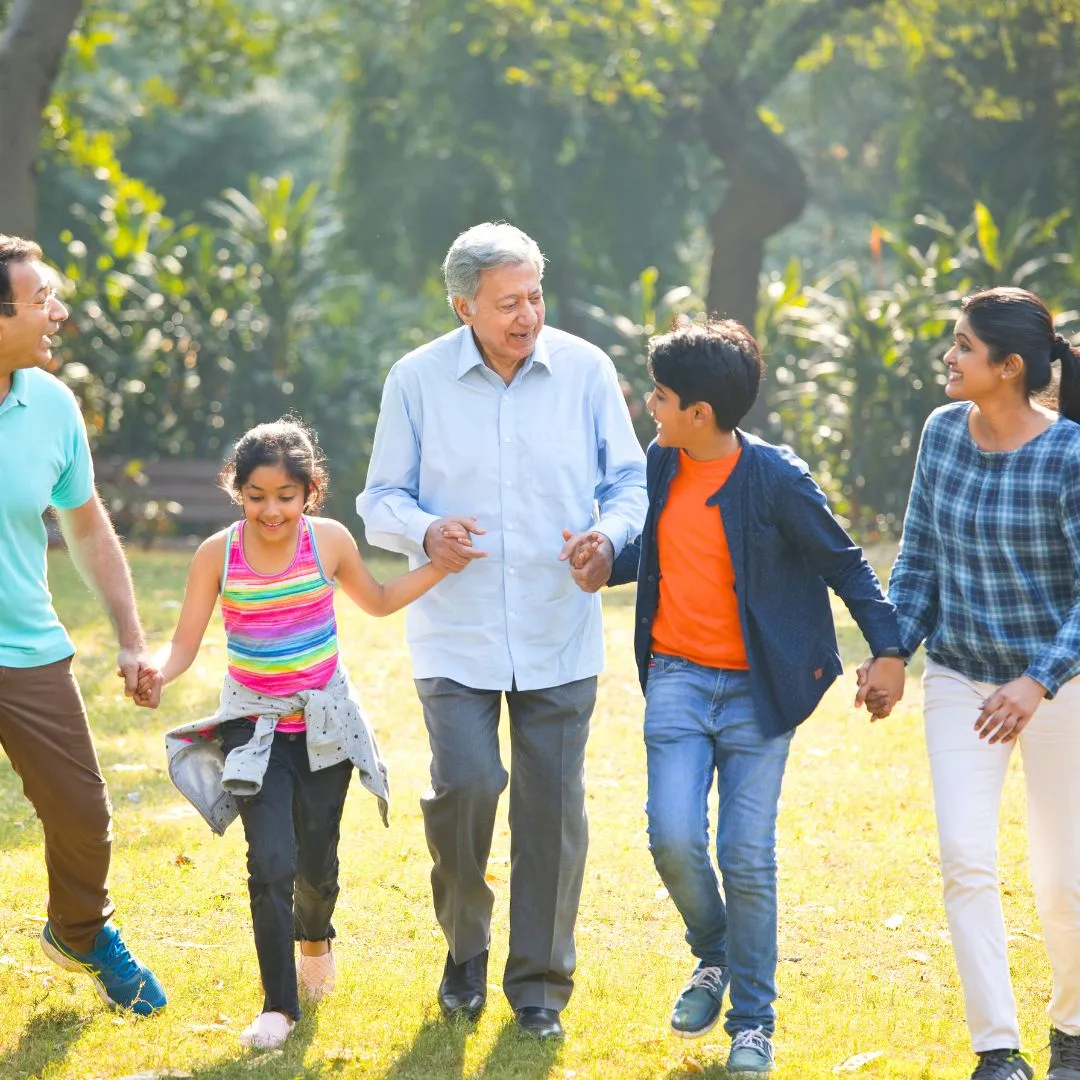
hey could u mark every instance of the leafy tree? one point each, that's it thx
(71, 71)
(707, 68)
(443, 134)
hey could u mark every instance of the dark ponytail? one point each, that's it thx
(1069, 388)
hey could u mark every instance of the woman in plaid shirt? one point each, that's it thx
(988, 576)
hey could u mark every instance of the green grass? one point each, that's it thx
(857, 847)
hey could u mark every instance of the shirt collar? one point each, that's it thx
(469, 355)
(20, 386)
(19, 392)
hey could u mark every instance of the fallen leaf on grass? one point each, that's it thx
(156, 1074)
(183, 860)
(692, 1065)
(858, 1061)
(894, 922)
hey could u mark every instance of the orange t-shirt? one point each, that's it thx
(698, 615)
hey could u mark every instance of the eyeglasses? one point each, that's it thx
(43, 304)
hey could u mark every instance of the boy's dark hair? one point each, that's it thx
(287, 442)
(13, 249)
(1010, 320)
(716, 361)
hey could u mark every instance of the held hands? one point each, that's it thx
(591, 556)
(148, 693)
(1007, 710)
(449, 546)
(129, 663)
(881, 685)
(142, 682)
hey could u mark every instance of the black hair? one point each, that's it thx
(13, 249)
(1011, 320)
(716, 361)
(287, 442)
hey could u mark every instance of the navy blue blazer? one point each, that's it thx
(787, 550)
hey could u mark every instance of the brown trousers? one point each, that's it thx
(44, 731)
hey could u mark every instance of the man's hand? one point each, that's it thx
(129, 664)
(881, 685)
(591, 556)
(1005, 712)
(449, 546)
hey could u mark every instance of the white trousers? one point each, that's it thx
(968, 777)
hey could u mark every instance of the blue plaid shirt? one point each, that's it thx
(989, 565)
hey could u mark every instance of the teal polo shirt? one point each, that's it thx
(44, 461)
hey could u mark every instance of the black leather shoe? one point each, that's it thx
(463, 990)
(543, 1023)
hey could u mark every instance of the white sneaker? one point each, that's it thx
(315, 975)
(268, 1031)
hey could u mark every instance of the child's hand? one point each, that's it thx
(148, 692)
(591, 556)
(448, 543)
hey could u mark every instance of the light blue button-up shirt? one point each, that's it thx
(555, 449)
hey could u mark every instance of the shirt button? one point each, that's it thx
(510, 570)
(509, 524)
(508, 483)
(507, 439)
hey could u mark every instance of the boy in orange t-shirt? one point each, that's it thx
(735, 646)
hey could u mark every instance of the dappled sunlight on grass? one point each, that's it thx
(865, 959)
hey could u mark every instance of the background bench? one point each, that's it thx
(164, 499)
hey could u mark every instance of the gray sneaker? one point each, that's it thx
(751, 1052)
(1003, 1065)
(1064, 1056)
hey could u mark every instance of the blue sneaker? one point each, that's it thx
(751, 1052)
(697, 1008)
(120, 980)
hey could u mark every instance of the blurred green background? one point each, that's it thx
(250, 200)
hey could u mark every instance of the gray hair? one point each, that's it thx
(486, 247)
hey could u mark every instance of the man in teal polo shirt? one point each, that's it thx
(45, 461)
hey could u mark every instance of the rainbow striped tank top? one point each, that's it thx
(280, 629)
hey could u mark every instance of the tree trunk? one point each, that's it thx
(766, 190)
(31, 50)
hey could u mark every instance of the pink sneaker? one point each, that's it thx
(315, 974)
(268, 1031)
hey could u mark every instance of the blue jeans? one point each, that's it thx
(700, 721)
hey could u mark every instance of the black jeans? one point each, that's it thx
(292, 827)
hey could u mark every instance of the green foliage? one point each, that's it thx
(626, 321)
(856, 354)
(189, 334)
(446, 130)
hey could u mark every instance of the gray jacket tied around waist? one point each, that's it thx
(336, 730)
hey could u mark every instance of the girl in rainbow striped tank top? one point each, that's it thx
(274, 573)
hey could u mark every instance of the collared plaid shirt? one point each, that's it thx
(989, 565)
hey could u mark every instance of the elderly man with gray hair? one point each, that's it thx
(499, 448)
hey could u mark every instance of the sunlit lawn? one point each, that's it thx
(865, 961)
